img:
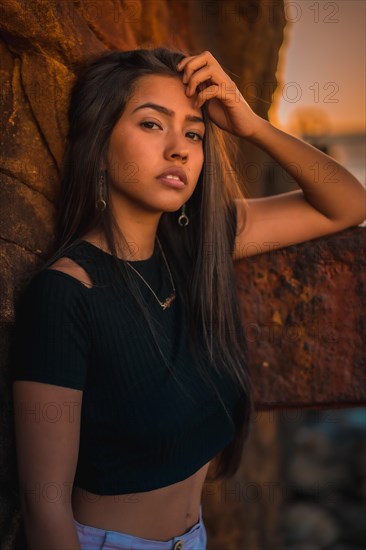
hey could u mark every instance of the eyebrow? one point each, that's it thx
(169, 112)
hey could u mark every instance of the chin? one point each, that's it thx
(170, 206)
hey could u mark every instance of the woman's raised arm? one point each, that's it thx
(330, 198)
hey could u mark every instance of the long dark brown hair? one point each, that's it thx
(200, 250)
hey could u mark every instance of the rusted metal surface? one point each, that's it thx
(303, 309)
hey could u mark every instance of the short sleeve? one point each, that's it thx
(51, 336)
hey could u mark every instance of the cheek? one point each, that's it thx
(129, 144)
(130, 161)
(121, 152)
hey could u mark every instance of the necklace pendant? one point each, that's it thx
(168, 301)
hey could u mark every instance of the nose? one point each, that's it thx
(181, 155)
(176, 148)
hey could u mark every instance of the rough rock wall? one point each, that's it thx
(40, 43)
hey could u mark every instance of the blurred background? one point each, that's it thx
(321, 78)
(320, 94)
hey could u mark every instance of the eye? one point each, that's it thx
(200, 138)
(149, 122)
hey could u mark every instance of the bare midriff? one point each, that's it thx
(159, 514)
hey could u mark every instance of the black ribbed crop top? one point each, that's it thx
(139, 431)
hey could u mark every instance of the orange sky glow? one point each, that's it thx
(321, 69)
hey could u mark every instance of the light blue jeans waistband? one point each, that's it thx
(93, 538)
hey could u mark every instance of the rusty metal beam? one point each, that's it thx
(303, 309)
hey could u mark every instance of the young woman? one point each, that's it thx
(130, 360)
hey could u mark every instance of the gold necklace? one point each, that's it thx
(170, 298)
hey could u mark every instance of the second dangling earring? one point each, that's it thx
(101, 203)
(183, 219)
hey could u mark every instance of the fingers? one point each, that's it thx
(192, 63)
(197, 78)
(198, 59)
(204, 95)
(203, 68)
(228, 97)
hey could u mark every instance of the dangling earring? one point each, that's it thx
(183, 219)
(101, 204)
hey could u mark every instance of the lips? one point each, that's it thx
(174, 172)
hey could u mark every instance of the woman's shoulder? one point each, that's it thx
(57, 286)
(73, 270)
(71, 266)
